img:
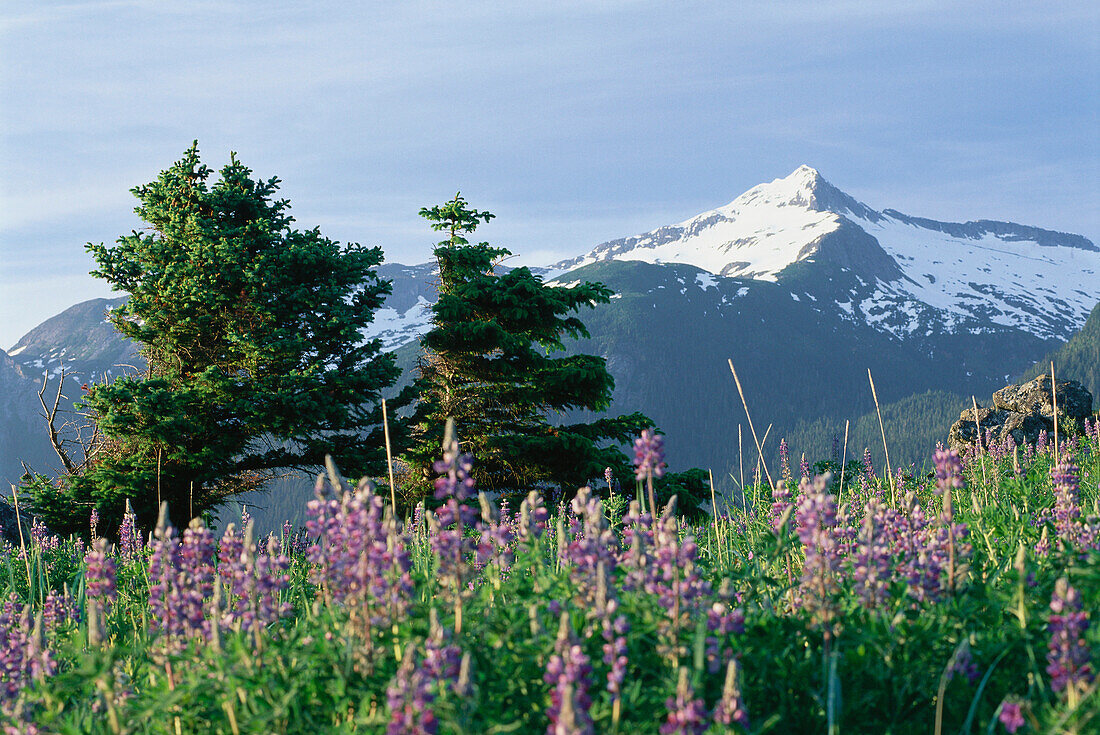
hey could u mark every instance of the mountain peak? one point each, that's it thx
(804, 187)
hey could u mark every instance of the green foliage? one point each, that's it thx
(252, 333)
(487, 364)
(886, 668)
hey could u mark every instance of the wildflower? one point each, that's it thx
(1068, 657)
(594, 546)
(785, 461)
(686, 714)
(816, 524)
(93, 522)
(41, 538)
(24, 655)
(99, 575)
(781, 505)
(948, 471)
(58, 609)
(731, 707)
(1064, 476)
(567, 671)
(649, 456)
(872, 562)
(415, 687)
(1010, 716)
(722, 622)
(129, 540)
(614, 630)
(533, 517)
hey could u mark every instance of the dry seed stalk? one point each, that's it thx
(759, 445)
(882, 428)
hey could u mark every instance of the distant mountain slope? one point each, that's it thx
(80, 339)
(22, 432)
(670, 329)
(1078, 359)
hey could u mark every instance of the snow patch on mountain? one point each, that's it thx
(399, 328)
(756, 235)
(1048, 289)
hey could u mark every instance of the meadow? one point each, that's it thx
(960, 597)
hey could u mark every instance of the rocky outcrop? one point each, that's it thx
(1023, 411)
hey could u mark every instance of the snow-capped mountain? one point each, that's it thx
(910, 276)
(803, 286)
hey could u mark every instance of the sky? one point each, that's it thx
(574, 122)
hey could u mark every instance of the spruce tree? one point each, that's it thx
(488, 364)
(252, 334)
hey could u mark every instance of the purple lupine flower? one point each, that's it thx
(649, 455)
(722, 622)
(672, 576)
(868, 466)
(567, 671)
(129, 540)
(42, 538)
(255, 581)
(409, 699)
(412, 691)
(181, 577)
(1064, 476)
(99, 575)
(93, 522)
(636, 556)
(592, 552)
(1041, 444)
(533, 516)
(456, 469)
(495, 542)
(195, 558)
(781, 505)
(1068, 657)
(614, 630)
(360, 561)
(164, 595)
(948, 471)
(785, 462)
(271, 580)
(1010, 716)
(418, 518)
(58, 610)
(804, 467)
(24, 654)
(608, 478)
(687, 715)
(816, 525)
(871, 566)
(846, 531)
(452, 548)
(730, 708)
(962, 663)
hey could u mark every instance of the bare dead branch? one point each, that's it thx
(50, 414)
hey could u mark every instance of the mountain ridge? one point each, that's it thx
(842, 289)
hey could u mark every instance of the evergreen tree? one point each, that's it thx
(256, 363)
(487, 364)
